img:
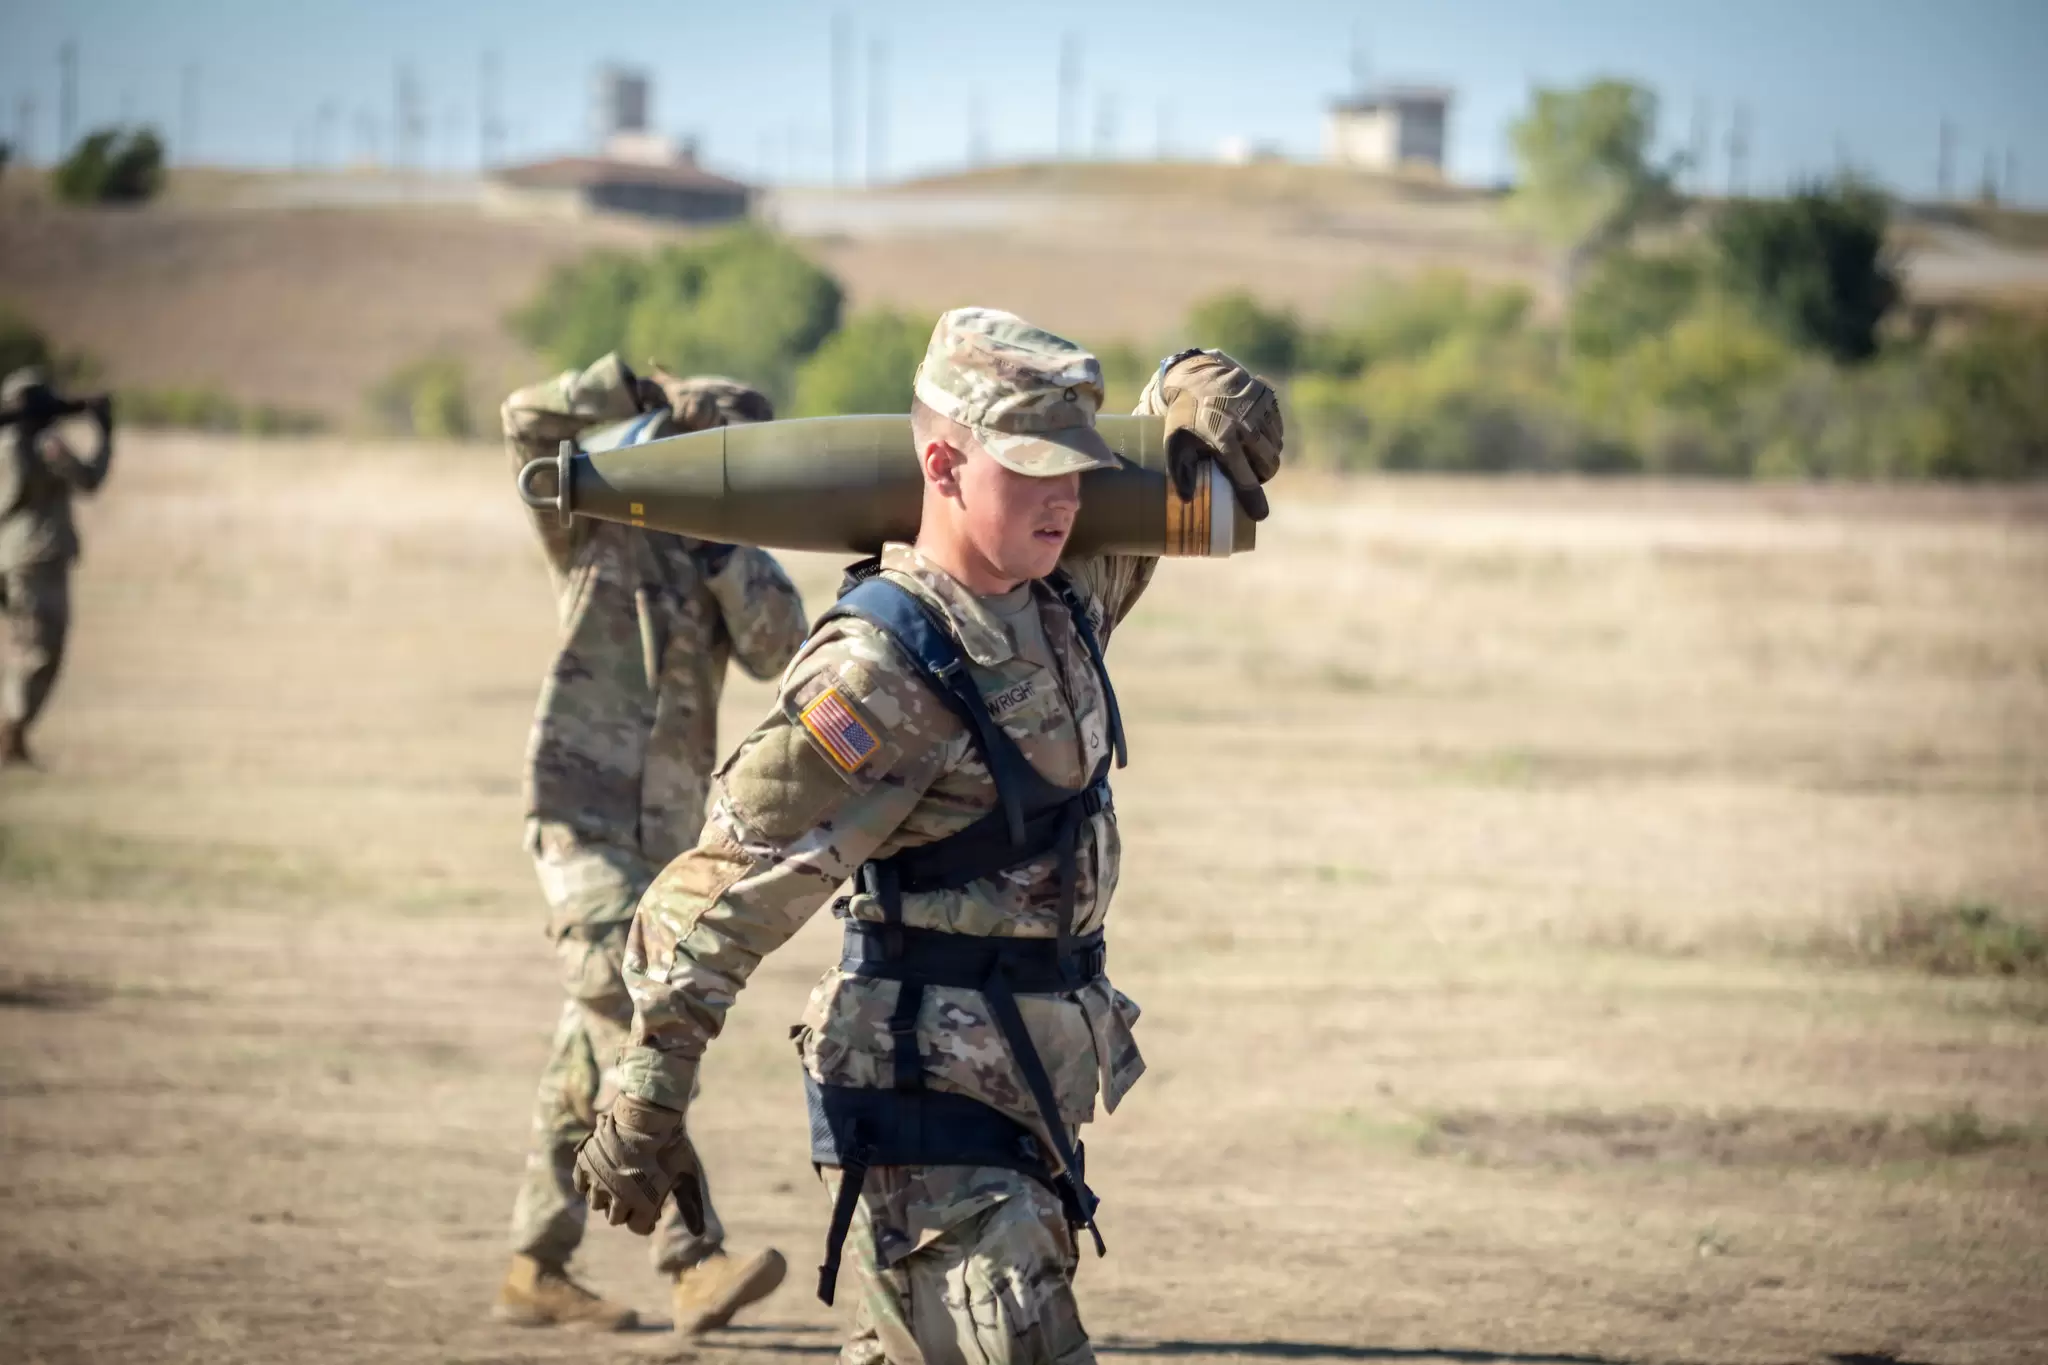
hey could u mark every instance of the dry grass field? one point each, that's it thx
(1576, 923)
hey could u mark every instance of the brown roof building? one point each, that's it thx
(678, 190)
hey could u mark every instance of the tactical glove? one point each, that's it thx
(705, 401)
(1215, 406)
(638, 1154)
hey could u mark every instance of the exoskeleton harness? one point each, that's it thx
(855, 1128)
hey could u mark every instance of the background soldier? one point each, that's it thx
(623, 745)
(38, 542)
(969, 1027)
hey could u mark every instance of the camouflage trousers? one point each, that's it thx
(35, 602)
(548, 1216)
(995, 1287)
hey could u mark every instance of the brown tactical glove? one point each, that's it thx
(637, 1155)
(705, 401)
(1215, 406)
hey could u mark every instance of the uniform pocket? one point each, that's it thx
(591, 960)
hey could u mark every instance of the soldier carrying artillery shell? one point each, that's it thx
(943, 742)
(624, 739)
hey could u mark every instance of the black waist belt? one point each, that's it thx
(1030, 966)
(855, 1129)
(910, 1125)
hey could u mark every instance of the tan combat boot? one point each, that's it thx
(14, 746)
(536, 1295)
(711, 1291)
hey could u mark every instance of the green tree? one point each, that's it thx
(1584, 176)
(21, 342)
(24, 343)
(1814, 266)
(866, 366)
(1407, 319)
(582, 310)
(427, 398)
(112, 166)
(1125, 372)
(743, 303)
(1991, 389)
(1267, 340)
(1630, 295)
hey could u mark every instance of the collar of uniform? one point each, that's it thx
(982, 634)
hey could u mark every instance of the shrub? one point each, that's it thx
(428, 399)
(1990, 390)
(208, 409)
(1473, 404)
(1814, 265)
(1125, 372)
(112, 166)
(1675, 398)
(1266, 340)
(1632, 295)
(21, 342)
(24, 343)
(582, 310)
(1407, 319)
(743, 303)
(866, 366)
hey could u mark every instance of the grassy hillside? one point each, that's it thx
(304, 291)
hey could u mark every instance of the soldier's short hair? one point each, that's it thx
(928, 424)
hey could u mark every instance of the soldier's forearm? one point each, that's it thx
(763, 612)
(711, 917)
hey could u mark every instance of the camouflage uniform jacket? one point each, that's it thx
(789, 823)
(625, 734)
(36, 489)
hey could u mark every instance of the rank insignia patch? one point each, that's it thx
(844, 737)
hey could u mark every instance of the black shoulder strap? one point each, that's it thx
(924, 639)
(1078, 609)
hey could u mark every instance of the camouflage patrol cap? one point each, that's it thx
(1029, 397)
(22, 382)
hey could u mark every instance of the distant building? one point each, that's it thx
(1389, 129)
(622, 102)
(673, 187)
(635, 170)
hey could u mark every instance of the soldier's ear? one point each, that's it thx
(941, 465)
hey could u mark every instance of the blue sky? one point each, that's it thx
(1820, 79)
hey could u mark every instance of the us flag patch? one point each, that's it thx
(839, 731)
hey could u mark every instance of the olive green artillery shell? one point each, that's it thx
(852, 483)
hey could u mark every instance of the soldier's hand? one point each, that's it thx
(1214, 406)
(637, 1156)
(706, 401)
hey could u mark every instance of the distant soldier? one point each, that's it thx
(38, 542)
(621, 754)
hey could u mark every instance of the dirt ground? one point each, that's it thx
(1513, 871)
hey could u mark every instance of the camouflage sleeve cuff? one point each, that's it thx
(657, 1077)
